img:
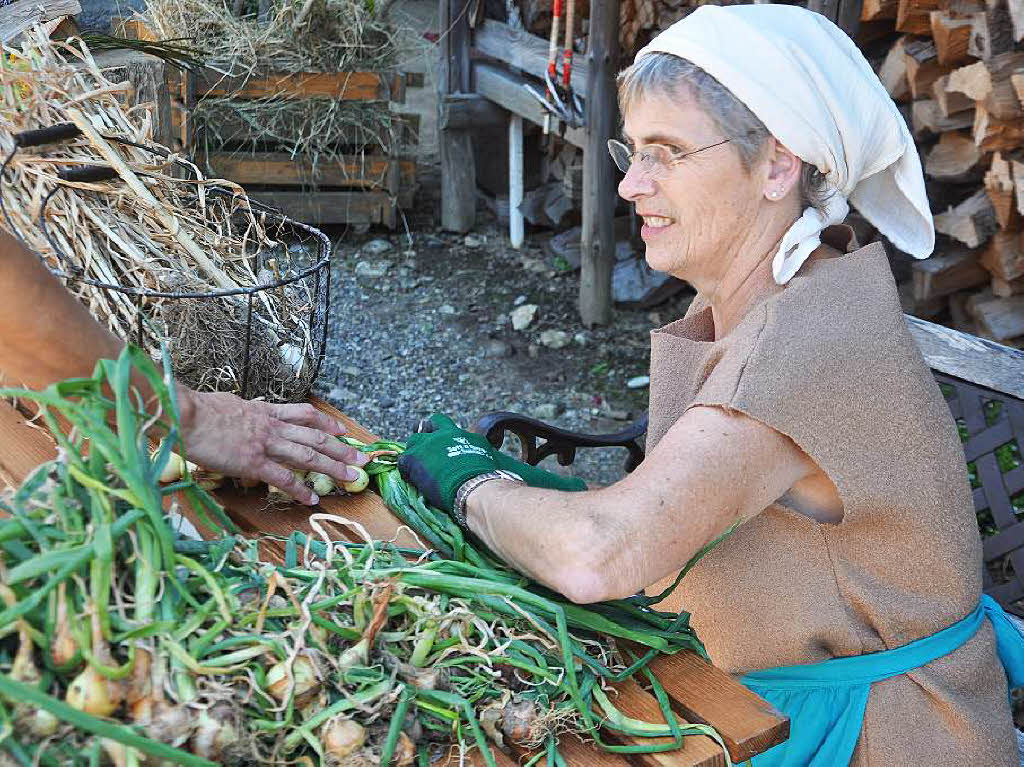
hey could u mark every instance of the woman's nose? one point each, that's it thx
(635, 184)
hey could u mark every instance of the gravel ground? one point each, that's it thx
(425, 326)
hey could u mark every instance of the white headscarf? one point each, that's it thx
(814, 91)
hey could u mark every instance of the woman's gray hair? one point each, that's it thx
(665, 74)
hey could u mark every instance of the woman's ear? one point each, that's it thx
(783, 171)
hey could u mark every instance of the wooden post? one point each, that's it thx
(598, 247)
(458, 172)
(515, 179)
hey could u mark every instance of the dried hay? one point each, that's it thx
(243, 38)
(150, 231)
(281, 35)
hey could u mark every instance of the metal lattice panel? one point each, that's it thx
(992, 429)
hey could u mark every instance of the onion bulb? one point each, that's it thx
(277, 495)
(94, 694)
(175, 467)
(215, 732)
(358, 484)
(305, 679)
(42, 723)
(341, 736)
(321, 483)
(405, 751)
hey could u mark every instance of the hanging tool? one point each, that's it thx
(551, 76)
(573, 106)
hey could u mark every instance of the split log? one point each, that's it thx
(991, 33)
(1016, 9)
(1000, 188)
(971, 222)
(923, 67)
(954, 159)
(926, 117)
(1017, 169)
(950, 102)
(952, 36)
(912, 16)
(1005, 289)
(949, 273)
(973, 81)
(959, 318)
(893, 72)
(874, 10)
(1004, 256)
(995, 135)
(1001, 318)
(1017, 78)
(1002, 100)
(971, 305)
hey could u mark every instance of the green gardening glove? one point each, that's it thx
(441, 456)
(535, 477)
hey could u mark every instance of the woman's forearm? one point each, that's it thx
(46, 334)
(574, 543)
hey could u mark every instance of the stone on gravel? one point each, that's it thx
(372, 270)
(555, 339)
(342, 395)
(520, 300)
(580, 339)
(473, 241)
(534, 265)
(496, 348)
(533, 350)
(639, 382)
(376, 247)
(523, 315)
(447, 309)
(546, 411)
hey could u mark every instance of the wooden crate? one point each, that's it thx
(359, 185)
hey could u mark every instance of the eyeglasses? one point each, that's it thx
(654, 160)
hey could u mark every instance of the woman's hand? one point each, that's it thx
(261, 441)
(440, 456)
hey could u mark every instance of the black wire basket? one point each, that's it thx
(228, 339)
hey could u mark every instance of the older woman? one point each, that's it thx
(790, 398)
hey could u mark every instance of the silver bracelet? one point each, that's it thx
(467, 487)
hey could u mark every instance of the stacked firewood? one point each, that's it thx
(957, 71)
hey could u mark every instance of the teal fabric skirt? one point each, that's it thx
(825, 702)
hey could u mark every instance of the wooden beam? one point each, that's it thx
(747, 723)
(598, 247)
(506, 89)
(458, 169)
(280, 168)
(470, 111)
(968, 357)
(343, 86)
(334, 207)
(523, 51)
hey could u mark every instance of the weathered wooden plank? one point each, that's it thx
(346, 86)
(634, 702)
(22, 14)
(278, 168)
(973, 359)
(333, 207)
(24, 446)
(470, 111)
(523, 51)
(702, 693)
(506, 90)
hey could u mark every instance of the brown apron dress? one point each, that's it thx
(829, 362)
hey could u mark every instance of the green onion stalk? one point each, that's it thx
(122, 642)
